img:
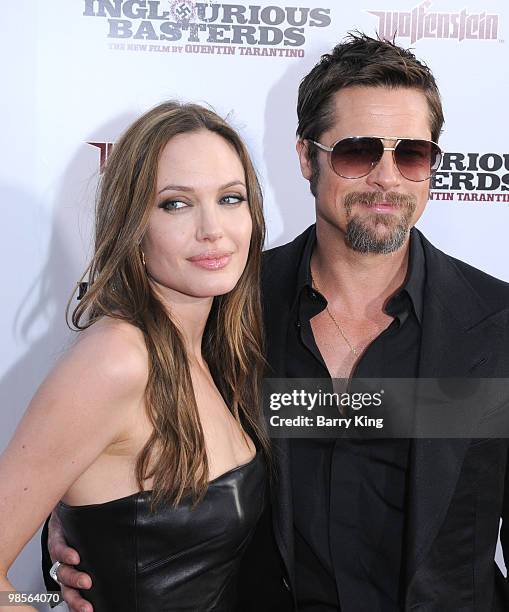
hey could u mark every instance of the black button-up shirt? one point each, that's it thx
(349, 495)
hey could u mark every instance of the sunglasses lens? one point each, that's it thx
(417, 159)
(354, 157)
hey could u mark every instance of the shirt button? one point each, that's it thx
(313, 294)
(298, 324)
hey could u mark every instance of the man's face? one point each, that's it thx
(373, 213)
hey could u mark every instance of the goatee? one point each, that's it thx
(361, 234)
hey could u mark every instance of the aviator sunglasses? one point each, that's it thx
(356, 156)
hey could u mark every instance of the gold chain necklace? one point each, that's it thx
(352, 348)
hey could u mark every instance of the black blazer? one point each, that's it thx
(457, 487)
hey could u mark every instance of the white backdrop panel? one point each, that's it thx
(69, 79)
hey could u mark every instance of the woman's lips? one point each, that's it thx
(211, 260)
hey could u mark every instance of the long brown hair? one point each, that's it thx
(118, 287)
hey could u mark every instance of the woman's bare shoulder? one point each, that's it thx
(113, 348)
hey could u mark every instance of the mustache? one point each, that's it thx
(372, 198)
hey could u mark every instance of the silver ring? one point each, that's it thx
(53, 571)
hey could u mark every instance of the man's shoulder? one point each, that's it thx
(285, 259)
(488, 287)
(478, 277)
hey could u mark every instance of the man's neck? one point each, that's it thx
(356, 283)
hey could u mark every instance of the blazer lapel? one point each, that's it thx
(279, 290)
(282, 508)
(460, 338)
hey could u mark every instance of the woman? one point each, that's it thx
(148, 430)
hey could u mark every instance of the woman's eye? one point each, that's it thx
(173, 205)
(232, 199)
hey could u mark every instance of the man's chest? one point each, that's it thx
(342, 346)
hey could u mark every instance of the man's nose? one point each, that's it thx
(385, 175)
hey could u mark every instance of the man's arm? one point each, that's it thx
(501, 583)
(54, 548)
(46, 561)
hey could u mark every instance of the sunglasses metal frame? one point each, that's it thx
(396, 139)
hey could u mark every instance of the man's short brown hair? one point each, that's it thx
(360, 61)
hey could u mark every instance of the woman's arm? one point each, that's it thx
(80, 409)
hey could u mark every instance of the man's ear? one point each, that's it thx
(302, 147)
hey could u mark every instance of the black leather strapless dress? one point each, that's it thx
(177, 558)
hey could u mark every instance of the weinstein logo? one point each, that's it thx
(419, 23)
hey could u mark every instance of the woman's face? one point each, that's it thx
(199, 232)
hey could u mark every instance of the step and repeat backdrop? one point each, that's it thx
(77, 72)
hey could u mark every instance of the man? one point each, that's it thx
(376, 525)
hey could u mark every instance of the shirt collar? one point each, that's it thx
(304, 273)
(412, 288)
(416, 274)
